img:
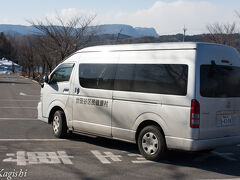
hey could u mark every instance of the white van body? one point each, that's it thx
(121, 114)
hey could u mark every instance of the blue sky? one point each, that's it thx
(166, 16)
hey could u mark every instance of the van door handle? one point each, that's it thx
(77, 90)
(65, 90)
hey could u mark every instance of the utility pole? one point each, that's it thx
(184, 32)
(119, 34)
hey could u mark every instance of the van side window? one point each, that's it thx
(97, 76)
(152, 78)
(124, 77)
(62, 73)
(162, 79)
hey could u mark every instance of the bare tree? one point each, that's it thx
(26, 49)
(222, 33)
(41, 52)
(62, 39)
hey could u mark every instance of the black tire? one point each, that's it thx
(59, 124)
(151, 143)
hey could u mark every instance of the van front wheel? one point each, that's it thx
(151, 143)
(59, 124)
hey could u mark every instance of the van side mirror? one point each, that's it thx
(45, 79)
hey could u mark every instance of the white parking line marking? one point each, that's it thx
(132, 155)
(19, 100)
(18, 107)
(24, 94)
(141, 158)
(103, 158)
(19, 119)
(10, 154)
(40, 140)
(142, 162)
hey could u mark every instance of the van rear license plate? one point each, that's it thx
(227, 120)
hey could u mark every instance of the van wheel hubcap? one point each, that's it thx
(150, 143)
(56, 124)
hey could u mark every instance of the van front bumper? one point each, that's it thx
(200, 144)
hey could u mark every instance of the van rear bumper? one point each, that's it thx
(201, 144)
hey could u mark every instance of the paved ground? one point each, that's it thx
(28, 148)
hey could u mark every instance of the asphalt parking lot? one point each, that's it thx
(28, 150)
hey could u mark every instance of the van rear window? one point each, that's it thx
(219, 81)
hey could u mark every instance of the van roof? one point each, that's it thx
(144, 46)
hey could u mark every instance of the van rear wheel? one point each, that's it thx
(59, 124)
(151, 143)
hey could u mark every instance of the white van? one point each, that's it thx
(161, 96)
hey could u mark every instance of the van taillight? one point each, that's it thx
(195, 114)
(224, 61)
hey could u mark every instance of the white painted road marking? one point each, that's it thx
(19, 100)
(103, 158)
(19, 119)
(23, 158)
(18, 107)
(140, 159)
(23, 94)
(142, 162)
(43, 140)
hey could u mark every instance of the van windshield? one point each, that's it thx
(219, 81)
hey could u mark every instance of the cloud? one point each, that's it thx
(4, 20)
(69, 13)
(165, 17)
(170, 17)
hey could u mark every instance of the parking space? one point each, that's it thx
(28, 148)
(98, 158)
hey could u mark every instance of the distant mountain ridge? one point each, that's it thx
(101, 29)
(126, 30)
(18, 29)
